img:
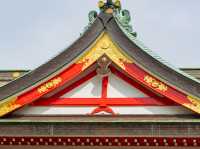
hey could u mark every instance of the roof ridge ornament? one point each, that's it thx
(124, 19)
(122, 15)
(109, 6)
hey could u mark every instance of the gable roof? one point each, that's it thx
(116, 24)
(57, 63)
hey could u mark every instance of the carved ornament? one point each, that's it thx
(155, 83)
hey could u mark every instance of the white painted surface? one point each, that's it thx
(118, 88)
(89, 89)
(150, 110)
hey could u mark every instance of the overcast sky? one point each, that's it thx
(33, 31)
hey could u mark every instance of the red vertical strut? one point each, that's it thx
(104, 87)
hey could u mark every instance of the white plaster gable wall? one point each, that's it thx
(145, 110)
(118, 88)
(89, 89)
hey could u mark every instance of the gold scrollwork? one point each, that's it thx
(8, 106)
(16, 75)
(104, 46)
(194, 105)
(49, 85)
(194, 100)
(155, 83)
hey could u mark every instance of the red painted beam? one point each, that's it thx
(105, 101)
(137, 73)
(104, 87)
(50, 85)
(153, 100)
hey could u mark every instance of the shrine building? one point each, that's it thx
(107, 90)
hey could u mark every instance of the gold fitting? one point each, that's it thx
(105, 45)
(15, 74)
(101, 4)
(117, 3)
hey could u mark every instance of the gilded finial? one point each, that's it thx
(105, 5)
(117, 3)
(101, 4)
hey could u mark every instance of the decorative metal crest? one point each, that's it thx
(124, 18)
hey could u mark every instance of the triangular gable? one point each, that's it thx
(137, 94)
(117, 88)
(109, 47)
(86, 105)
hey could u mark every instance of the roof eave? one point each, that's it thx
(155, 66)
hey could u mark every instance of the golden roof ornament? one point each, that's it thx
(101, 4)
(118, 3)
(109, 6)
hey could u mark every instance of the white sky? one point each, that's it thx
(33, 31)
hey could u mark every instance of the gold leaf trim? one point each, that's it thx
(194, 105)
(16, 74)
(8, 106)
(155, 83)
(49, 85)
(104, 46)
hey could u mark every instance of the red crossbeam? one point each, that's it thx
(148, 101)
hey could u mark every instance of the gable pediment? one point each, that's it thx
(105, 52)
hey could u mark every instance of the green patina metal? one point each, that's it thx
(123, 18)
(92, 17)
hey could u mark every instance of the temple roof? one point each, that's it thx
(116, 23)
(62, 60)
